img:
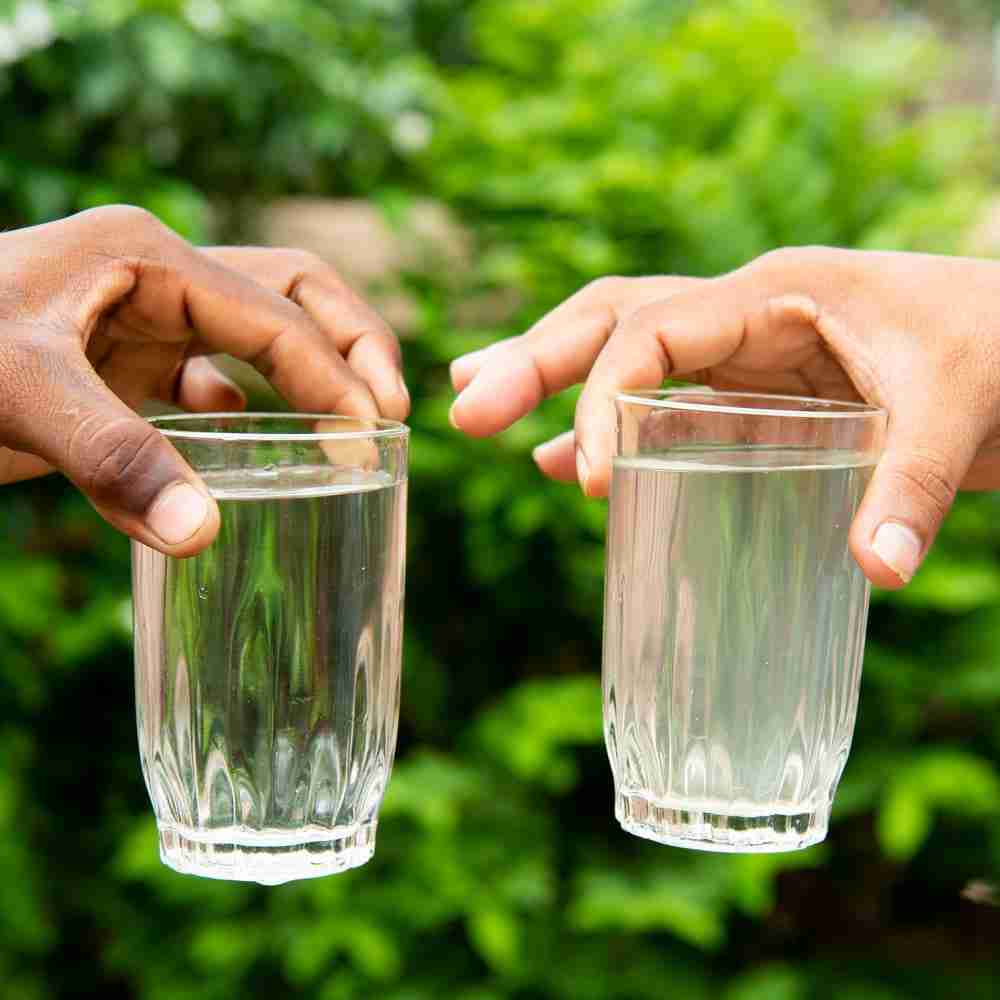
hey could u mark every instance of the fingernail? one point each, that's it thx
(539, 452)
(582, 468)
(451, 414)
(177, 513)
(899, 548)
(237, 401)
(403, 391)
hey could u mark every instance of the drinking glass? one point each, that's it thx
(734, 614)
(268, 666)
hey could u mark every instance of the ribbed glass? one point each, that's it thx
(734, 614)
(268, 667)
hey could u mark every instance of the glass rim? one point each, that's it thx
(824, 409)
(382, 429)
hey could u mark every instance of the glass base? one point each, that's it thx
(267, 858)
(689, 826)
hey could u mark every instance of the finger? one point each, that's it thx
(912, 488)
(235, 315)
(557, 458)
(167, 288)
(135, 371)
(463, 369)
(359, 334)
(503, 382)
(345, 451)
(377, 362)
(201, 388)
(609, 297)
(695, 329)
(985, 472)
(16, 466)
(134, 477)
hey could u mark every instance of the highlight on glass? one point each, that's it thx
(268, 666)
(735, 614)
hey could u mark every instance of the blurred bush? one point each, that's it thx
(572, 138)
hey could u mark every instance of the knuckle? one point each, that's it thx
(928, 479)
(777, 261)
(307, 273)
(118, 237)
(121, 462)
(607, 288)
(123, 218)
(636, 354)
(301, 266)
(303, 262)
(791, 260)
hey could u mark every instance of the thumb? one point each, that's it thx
(129, 471)
(911, 491)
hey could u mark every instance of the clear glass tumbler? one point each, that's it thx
(734, 614)
(268, 666)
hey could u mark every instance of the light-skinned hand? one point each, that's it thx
(916, 334)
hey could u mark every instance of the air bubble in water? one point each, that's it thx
(203, 593)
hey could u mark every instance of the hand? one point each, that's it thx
(108, 308)
(918, 335)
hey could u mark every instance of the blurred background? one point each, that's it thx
(469, 163)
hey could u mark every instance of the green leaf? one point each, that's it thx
(533, 729)
(431, 788)
(773, 982)
(224, 949)
(671, 901)
(954, 586)
(945, 780)
(29, 596)
(904, 821)
(496, 935)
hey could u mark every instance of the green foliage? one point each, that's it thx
(949, 780)
(552, 716)
(575, 138)
(769, 983)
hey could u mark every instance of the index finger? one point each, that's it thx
(503, 382)
(154, 284)
(356, 330)
(692, 331)
(174, 288)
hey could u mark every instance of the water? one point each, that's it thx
(267, 674)
(734, 633)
